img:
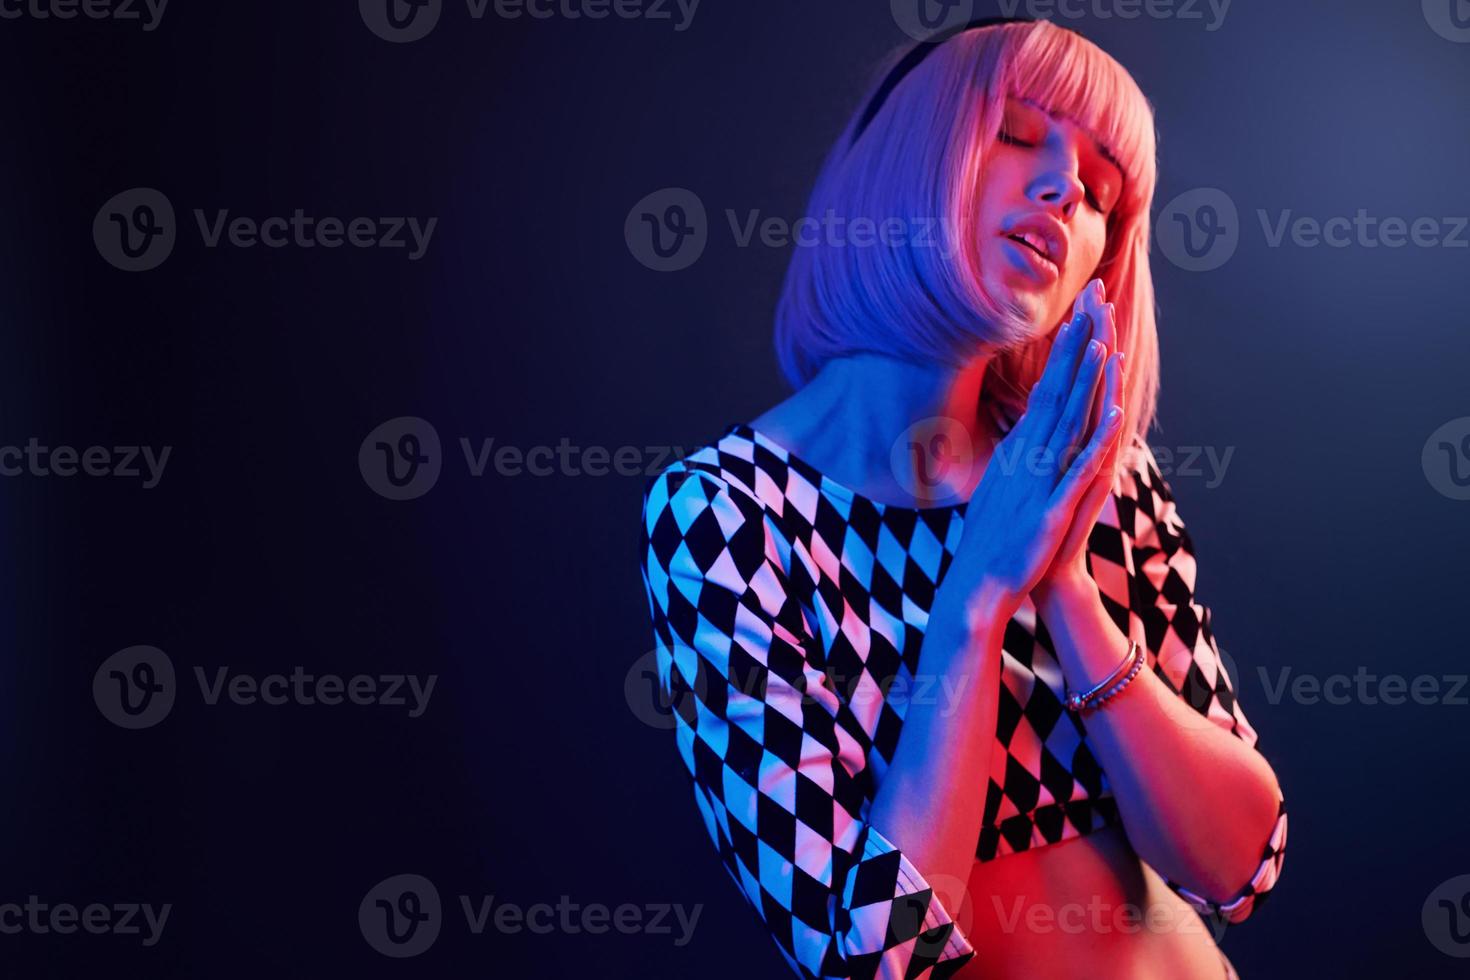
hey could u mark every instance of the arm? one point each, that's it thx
(1202, 806)
(930, 804)
(845, 889)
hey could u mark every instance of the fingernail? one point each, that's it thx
(1097, 289)
(1094, 350)
(1114, 415)
(1122, 360)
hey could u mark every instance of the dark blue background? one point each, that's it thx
(1324, 548)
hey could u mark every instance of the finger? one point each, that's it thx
(1076, 420)
(1091, 505)
(1112, 394)
(1107, 474)
(1107, 334)
(1104, 332)
(1087, 511)
(1092, 291)
(1044, 404)
(1080, 478)
(1104, 437)
(1115, 396)
(1092, 301)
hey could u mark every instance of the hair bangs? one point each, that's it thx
(1069, 76)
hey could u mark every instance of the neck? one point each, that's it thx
(892, 430)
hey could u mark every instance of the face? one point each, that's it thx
(1049, 182)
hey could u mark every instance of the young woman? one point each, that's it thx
(948, 699)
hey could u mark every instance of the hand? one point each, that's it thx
(1069, 565)
(1021, 515)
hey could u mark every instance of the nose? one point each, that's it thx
(1058, 189)
(1057, 186)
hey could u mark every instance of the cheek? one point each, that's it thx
(1088, 241)
(1000, 185)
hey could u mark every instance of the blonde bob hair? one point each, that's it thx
(919, 296)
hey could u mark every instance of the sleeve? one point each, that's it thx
(1178, 631)
(775, 775)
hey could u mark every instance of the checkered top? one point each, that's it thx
(784, 605)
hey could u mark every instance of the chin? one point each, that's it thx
(1048, 309)
(1037, 307)
(1041, 306)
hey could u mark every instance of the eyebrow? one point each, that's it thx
(1102, 149)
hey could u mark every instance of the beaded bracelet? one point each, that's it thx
(1132, 673)
(1134, 661)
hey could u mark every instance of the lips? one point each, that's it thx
(1043, 235)
(1034, 242)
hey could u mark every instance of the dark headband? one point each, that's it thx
(917, 54)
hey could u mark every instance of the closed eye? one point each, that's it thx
(1008, 138)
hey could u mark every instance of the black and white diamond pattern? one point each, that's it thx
(784, 605)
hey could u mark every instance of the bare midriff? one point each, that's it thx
(1085, 907)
